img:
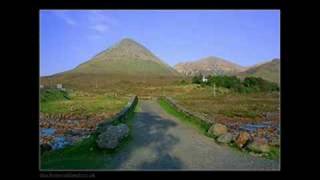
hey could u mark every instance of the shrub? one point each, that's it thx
(183, 82)
(248, 85)
(197, 79)
(259, 84)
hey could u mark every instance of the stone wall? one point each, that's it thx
(123, 114)
(187, 112)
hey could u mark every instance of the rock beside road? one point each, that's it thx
(225, 138)
(242, 139)
(112, 136)
(218, 129)
(259, 145)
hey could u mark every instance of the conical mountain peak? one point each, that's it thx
(126, 57)
(127, 49)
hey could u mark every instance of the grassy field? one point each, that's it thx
(84, 154)
(79, 104)
(226, 104)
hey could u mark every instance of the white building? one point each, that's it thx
(59, 86)
(204, 79)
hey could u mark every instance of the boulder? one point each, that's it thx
(111, 137)
(218, 129)
(242, 139)
(225, 138)
(259, 145)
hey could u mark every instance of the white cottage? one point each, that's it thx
(59, 86)
(204, 79)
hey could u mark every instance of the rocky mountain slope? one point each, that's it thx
(208, 66)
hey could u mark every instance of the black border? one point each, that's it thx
(99, 4)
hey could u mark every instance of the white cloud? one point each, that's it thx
(67, 19)
(101, 22)
(101, 28)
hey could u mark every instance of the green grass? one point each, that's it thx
(48, 95)
(126, 67)
(84, 154)
(81, 105)
(269, 71)
(229, 105)
(273, 154)
(193, 121)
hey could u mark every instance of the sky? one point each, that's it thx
(246, 37)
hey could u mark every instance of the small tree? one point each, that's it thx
(197, 79)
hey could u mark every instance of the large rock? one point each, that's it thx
(242, 139)
(111, 137)
(218, 129)
(225, 138)
(259, 145)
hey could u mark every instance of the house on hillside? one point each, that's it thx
(59, 86)
(204, 79)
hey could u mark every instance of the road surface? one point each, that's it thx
(162, 142)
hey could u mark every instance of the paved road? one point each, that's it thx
(161, 142)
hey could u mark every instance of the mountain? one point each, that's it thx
(126, 57)
(208, 66)
(127, 61)
(269, 71)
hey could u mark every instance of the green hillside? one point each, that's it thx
(125, 62)
(269, 71)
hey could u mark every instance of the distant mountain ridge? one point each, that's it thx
(209, 66)
(268, 70)
(129, 61)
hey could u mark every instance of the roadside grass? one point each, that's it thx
(273, 154)
(81, 105)
(193, 121)
(85, 154)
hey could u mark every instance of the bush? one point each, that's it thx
(230, 82)
(53, 94)
(259, 84)
(197, 79)
(248, 85)
(183, 82)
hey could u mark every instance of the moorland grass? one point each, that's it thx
(81, 105)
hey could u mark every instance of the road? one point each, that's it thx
(162, 142)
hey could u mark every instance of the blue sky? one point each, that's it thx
(246, 37)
